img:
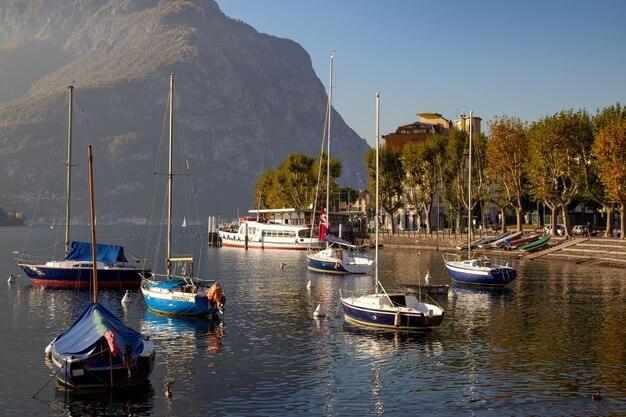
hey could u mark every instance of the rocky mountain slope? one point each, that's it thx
(244, 100)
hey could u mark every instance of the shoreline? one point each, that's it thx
(601, 251)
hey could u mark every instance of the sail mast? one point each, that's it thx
(68, 185)
(94, 267)
(377, 183)
(469, 194)
(330, 110)
(169, 180)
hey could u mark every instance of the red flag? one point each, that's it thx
(110, 337)
(323, 225)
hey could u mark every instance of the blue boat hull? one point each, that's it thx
(383, 319)
(327, 267)
(174, 301)
(82, 277)
(493, 277)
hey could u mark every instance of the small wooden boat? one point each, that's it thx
(536, 245)
(510, 237)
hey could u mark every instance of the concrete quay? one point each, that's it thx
(601, 251)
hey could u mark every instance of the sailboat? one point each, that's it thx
(388, 310)
(180, 293)
(99, 350)
(74, 270)
(338, 257)
(476, 271)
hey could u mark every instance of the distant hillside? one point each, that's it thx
(245, 99)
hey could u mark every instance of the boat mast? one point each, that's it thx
(94, 267)
(330, 110)
(377, 184)
(469, 194)
(169, 180)
(68, 184)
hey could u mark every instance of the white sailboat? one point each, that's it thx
(339, 255)
(383, 309)
(476, 271)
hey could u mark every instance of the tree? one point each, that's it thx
(454, 174)
(391, 177)
(422, 162)
(507, 151)
(595, 188)
(610, 147)
(293, 183)
(556, 164)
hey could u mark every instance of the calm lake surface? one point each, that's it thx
(541, 347)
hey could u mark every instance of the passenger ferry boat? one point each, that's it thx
(255, 234)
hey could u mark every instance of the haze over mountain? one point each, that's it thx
(245, 100)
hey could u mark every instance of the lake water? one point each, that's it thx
(542, 346)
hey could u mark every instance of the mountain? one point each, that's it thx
(245, 100)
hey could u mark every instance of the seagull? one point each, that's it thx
(126, 298)
(282, 265)
(168, 391)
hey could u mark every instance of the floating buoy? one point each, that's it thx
(11, 279)
(309, 285)
(126, 298)
(427, 277)
(320, 311)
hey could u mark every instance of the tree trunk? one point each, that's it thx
(428, 208)
(623, 221)
(502, 220)
(608, 211)
(518, 213)
(568, 233)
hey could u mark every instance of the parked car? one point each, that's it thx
(579, 229)
(560, 230)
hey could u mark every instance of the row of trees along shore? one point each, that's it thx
(562, 160)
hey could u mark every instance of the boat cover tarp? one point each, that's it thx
(81, 251)
(334, 239)
(94, 324)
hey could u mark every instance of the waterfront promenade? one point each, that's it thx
(589, 250)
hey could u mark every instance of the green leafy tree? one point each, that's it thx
(610, 147)
(391, 177)
(422, 162)
(507, 151)
(293, 183)
(556, 167)
(454, 174)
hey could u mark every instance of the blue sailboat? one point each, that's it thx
(179, 292)
(99, 350)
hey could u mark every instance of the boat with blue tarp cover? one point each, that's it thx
(74, 270)
(99, 350)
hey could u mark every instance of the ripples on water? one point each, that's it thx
(540, 347)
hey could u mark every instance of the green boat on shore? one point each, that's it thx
(533, 246)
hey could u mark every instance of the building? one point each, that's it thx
(428, 124)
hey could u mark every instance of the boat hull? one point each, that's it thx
(496, 276)
(62, 277)
(100, 371)
(234, 243)
(177, 303)
(329, 265)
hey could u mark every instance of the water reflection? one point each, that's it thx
(136, 401)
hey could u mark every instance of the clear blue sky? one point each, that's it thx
(526, 59)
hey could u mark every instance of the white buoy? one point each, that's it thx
(309, 285)
(320, 311)
(397, 319)
(11, 279)
(126, 298)
(427, 277)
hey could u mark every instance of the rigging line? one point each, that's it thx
(319, 174)
(43, 181)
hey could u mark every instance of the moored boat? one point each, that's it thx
(522, 241)
(99, 350)
(536, 245)
(252, 234)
